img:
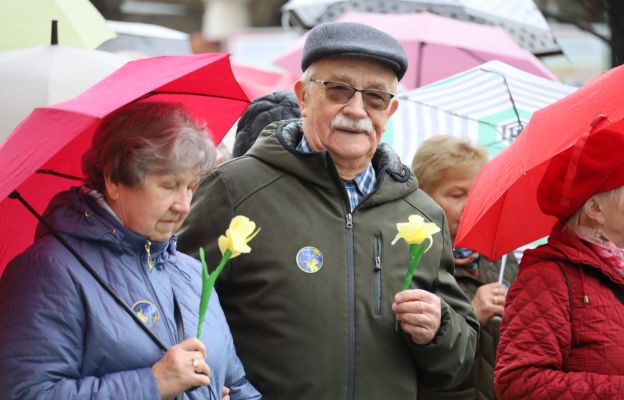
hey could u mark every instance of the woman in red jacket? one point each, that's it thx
(561, 337)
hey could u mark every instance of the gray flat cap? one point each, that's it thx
(350, 39)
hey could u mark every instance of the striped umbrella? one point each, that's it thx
(489, 104)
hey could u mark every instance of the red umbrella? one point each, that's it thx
(53, 138)
(502, 212)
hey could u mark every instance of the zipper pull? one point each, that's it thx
(349, 221)
(150, 263)
(377, 263)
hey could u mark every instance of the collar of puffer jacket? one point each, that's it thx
(76, 214)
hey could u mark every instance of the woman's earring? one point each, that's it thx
(598, 234)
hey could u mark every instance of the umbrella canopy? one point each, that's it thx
(489, 105)
(26, 23)
(502, 212)
(146, 40)
(257, 82)
(439, 48)
(54, 138)
(520, 18)
(38, 76)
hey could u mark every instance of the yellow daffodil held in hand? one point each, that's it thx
(240, 232)
(416, 230)
(232, 244)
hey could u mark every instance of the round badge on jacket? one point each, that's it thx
(147, 312)
(309, 259)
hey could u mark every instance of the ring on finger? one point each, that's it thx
(495, 291)
(195, 362)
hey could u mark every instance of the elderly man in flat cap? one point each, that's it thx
(313, 307)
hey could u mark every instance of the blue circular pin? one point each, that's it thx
(147, 312)
(309, 259)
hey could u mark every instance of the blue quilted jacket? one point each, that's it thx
(63, 337)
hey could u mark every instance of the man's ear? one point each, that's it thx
(300, 92)
(394, 104)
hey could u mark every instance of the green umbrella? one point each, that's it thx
(26, 23)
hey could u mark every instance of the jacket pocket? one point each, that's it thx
(377, 275)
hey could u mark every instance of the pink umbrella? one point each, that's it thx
(53, 138)
(257, 82)
(436, 47)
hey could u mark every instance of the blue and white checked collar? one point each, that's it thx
(358, 188)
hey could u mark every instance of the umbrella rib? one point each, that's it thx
(59, 174)
(511, 99)
(154, 93)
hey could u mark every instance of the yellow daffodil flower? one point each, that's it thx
(416, 230)
(232, 244)
(240, 232)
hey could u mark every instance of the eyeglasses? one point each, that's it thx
(341, 93)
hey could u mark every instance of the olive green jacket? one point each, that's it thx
(310, 306)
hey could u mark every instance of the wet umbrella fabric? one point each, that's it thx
(520, 18)
(55, 137)
(439, 48)
(43, 75)
(258, 82)
(26, 23)
(502, 212)
(489, 105)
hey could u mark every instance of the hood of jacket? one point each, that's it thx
(76, 214)
(316, 166)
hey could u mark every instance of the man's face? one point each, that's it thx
(349, 131)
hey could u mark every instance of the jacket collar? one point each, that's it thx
(77, 214)
(565, 246)
(317, 167)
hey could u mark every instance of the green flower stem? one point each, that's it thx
(208, 282)
(416, 252)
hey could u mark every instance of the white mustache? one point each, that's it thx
(343, 122)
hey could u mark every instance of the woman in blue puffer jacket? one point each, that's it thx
(62, 335)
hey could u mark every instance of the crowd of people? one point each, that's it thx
(105, 302)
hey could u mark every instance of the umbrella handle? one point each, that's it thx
(502, 268)
(15, 195)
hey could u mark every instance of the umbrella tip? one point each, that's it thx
(54, 38)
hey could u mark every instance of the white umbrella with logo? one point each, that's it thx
(489, 105)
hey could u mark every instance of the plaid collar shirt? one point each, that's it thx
(358, 188)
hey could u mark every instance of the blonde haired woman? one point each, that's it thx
(446, 168)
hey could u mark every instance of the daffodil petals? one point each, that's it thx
(416, 230)
(238, 235)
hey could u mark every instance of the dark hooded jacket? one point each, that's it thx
(262, 112)
(310, 306)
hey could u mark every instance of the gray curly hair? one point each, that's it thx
(146, 138)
